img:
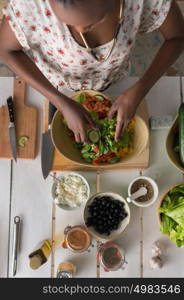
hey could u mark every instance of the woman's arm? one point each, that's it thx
(12, 55)
(173, 31)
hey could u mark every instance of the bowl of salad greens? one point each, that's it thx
(102, 149)
(171, 214)
(175, 140)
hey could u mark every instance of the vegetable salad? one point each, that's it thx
(102, 148)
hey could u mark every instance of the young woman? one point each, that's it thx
(81, 44)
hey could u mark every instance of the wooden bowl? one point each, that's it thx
(123, 225)
(173, 156)
(64, 145)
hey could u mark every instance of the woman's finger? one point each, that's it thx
(77, 137)
(125, 125)
(83, 136)
(111, 112)
(90, 121)
(119, 126)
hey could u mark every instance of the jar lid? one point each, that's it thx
(64, 274)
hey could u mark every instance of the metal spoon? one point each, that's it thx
(141, 192)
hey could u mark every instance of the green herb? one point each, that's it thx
(81, 98)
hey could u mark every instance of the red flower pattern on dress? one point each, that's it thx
(33, 28)
(61, 83)
(18, 14)
(8, 18)
(58, 55)
(60, 51)
(83, 61)
(48, 13)
(46, 29)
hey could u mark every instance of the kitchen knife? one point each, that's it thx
(47, 145)
(11, 127)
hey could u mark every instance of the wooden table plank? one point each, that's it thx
(85, 262)
(163, 99)
(118, 182)
(5, 180)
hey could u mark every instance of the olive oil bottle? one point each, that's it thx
(40, 256)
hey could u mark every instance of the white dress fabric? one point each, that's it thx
(65, 63)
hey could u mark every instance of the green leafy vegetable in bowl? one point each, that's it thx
(102, 147)
(172, 215)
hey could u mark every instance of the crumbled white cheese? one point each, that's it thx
(71, 190)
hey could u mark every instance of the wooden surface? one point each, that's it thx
(24, 192)
(141, 161)
(25, 124)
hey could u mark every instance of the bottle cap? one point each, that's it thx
(64, 274)
(35, 262)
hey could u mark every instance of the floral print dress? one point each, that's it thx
(65, 63)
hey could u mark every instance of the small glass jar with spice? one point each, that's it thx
(111, 257)
(77, 239)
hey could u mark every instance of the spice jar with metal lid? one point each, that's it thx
(66, 270)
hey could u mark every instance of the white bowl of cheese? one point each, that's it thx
(70, 191)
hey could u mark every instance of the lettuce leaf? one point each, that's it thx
(172, 215)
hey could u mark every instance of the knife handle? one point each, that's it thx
(52, 110)
(10, 109)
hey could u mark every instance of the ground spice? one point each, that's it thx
(111, 257)
(143, 183)
(78, 239)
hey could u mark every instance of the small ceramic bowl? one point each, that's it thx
(67, 207)
(124, 223)
(155, 193)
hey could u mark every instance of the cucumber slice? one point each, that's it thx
(22, 141)
(100, 97)
(94, 136)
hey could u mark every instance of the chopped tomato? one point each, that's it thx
(103, 158)
(96, 149)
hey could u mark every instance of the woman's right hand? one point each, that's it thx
(77, 118)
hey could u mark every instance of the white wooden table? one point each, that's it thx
(24, 192)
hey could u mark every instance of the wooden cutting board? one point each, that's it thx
(60, 163)
(26, 118)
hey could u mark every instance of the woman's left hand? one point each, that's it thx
(125, 106)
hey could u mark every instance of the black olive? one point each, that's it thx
(115, 226)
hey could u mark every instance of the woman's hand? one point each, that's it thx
(77, 117)
(125, 106)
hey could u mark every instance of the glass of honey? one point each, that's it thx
(77, 238)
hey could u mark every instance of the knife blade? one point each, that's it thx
(11, 128)
(47, 145)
